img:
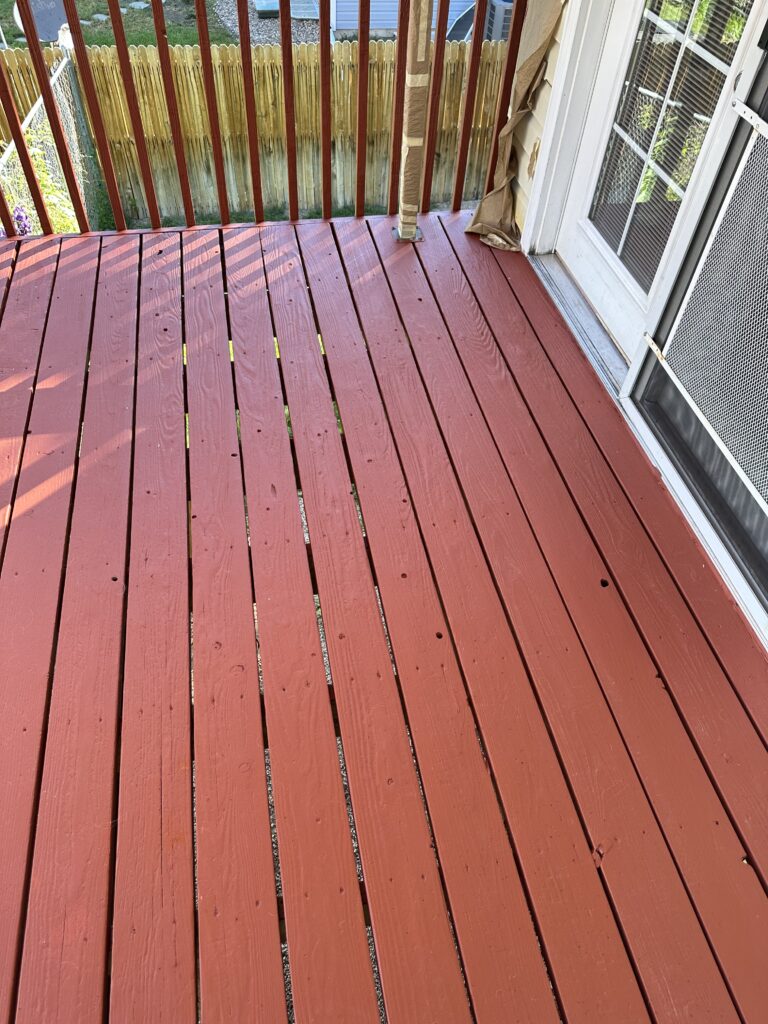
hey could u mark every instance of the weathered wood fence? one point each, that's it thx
(268, 84)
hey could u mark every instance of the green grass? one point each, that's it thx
(139, 27)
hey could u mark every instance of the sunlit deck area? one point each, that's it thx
(355, 664)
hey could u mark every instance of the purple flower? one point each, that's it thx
(22, 221)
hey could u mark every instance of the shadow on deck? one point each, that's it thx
(494, 750)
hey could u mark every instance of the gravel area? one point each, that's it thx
(266, 30)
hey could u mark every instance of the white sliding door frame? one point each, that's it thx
(585, 24)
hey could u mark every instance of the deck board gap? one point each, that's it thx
(382, 615)
(190, 598)
(342, 762)
(6, 291)
(5, 527)
(477, 728)
(123, 643)
(597, 852)
(631, 500)
(328, 673)
(57, 621)
(277, 869)
(611, 579)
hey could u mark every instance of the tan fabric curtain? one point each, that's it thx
(494, 217)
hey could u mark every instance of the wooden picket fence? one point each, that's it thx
(268, 77)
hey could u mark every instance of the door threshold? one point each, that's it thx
(603, 352)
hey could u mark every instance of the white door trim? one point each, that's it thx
(585, 23)
(583, 35)
(580, 47)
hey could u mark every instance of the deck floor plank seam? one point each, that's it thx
(730, 748)
(237, 911)
(76, 796)
(24, 318)
(514, 732)
(692, 818)
(153, 955)
(706, 595)
(33, 577)
(328, 952)
(624, 839)
(392, 828)
(497, 953)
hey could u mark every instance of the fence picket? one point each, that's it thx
(187, 72)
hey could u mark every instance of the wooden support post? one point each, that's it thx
(414, 116)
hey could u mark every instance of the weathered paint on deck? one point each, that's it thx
(351, 652)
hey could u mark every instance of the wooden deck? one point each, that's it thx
(383, 677)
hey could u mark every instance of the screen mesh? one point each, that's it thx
(718, 348)
(39, 138)
(676, 73)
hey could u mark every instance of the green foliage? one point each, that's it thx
(139, 26)
(53, 187)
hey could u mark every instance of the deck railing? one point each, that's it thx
(410, 181)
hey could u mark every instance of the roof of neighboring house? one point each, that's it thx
(304, 9)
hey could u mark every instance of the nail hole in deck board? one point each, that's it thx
(439, 635)
(604, 583)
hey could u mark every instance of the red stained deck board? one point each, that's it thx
(627, 845)
(721, 621)
(7, 260)
(65, 943)
(478, 409)
(419, 969)
(31, 581)
(23, 323)
(241, 971)
(732, 750)
(554, 856)
(695, 822)
(153, 940)
(331, 974)
(505, 972)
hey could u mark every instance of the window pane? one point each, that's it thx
(718, 27)
(687, 116)
(650, 72)
(672, 86)
(651, 223)
(614, 198)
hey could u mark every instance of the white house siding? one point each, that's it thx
(344, 14)
(529, 131)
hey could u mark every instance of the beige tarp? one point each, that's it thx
(414, 113)
(494, 217)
